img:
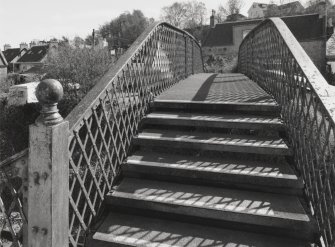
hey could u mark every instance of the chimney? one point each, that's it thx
(6, 47)
(212, 19)
(23, 46)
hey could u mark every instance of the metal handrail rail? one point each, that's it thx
(83, 108)
(271, 56)
(317, 82)
(103, 124)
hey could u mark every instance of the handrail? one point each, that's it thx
(271, 56)
(77, 115)
(103, 124)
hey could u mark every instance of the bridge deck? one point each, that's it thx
(213, 87)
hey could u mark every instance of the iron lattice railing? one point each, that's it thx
(13, 199)
(105, 121)
(271, 56)
(101, 129)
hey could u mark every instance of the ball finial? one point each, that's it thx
(49, 92)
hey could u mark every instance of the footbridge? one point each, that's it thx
(160, 153)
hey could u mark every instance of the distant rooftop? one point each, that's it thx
(304, 27)
(34, 54)
(11, 53)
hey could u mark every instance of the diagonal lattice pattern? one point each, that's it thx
(105, 121)
(271, 56)
(13, 199)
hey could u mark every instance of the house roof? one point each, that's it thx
(222, 34)
(12, 53)
(290, 5)
(34, 54)
(3, 59)
(304, 27)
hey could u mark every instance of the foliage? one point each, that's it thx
(189, 14)
(78, 70)
(331, 45)
(232, 7)
(124, 30)
(221, 64)
(78, 42)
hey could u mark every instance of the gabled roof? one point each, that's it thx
(290, 5)
(34, 54)
(3, 59)
(304, 27)
(12, 53)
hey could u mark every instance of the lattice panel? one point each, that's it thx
(271, 56)
(13, 200)
(103, 124)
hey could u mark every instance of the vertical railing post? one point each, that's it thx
(48, 204)
(185, 37)
(192, 57)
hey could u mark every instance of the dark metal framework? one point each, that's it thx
(102, 127)
(105, 121)
(271, 56)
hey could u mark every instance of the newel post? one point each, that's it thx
(48, 204)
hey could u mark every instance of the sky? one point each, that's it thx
(25, 20)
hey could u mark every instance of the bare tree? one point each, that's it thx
(195, 15)
(230, 8)
(221, 14)
(174, 14)
(234, 6)
(185, 14)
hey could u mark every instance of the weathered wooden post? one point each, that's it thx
(48, 204)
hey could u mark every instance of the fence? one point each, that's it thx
(103, 124)
(271, 56)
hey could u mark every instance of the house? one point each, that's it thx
(225, 38)
(257, 10)
(3, 67)
(35, 57)
(293, 8)
(14, 54)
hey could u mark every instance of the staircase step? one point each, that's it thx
(216, 106)
(213, 141)
(264, 212)
(241, 121)
(242, 173)
(133, 230)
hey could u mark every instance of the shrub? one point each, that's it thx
(77, 69)
(221, 64)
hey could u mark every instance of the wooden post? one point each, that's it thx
(48, 203)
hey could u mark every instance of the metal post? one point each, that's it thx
(48, 204)
(185, 37)
(192, 57)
